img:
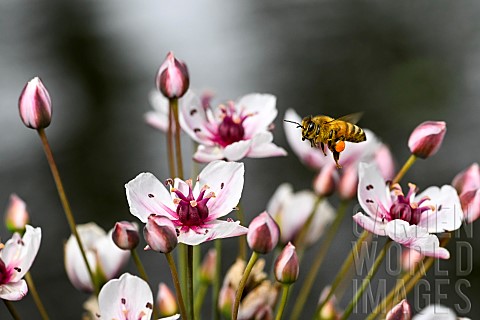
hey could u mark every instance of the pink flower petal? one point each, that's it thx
(147, 195)
(198, 121)
(13, 291)
(373, 193)
(225, 179)
(237, 150)
(216, 229)
(369, 224)
(208, 154)
(262, 147)
(416, 238)
(111, 258)
(263, 110)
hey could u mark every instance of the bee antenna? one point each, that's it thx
(298, 124)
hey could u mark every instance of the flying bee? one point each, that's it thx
(325, 130)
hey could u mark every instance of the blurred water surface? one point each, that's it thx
(399, 62)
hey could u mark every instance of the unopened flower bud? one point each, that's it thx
(263, 233)
(326, 181)
(347, 187)
(329, 310)
(470, 201)
(166, 301)
(35, 105)
(16, 216)
(427, 138)
(125, 235)
(208, 267)
(172, 77)
(401, 311)
(286, 267)
(160, 234)
(468, 179)
(226, 299)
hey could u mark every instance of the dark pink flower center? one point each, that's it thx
(191, 211)
(405, 209)
(231, 128)
(5, 274)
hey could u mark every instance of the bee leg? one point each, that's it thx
(336, 157)
(322, 146)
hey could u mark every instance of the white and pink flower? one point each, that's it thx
(16, 258)
(105, 259)
(194, 210)
(407, 219)
(233, 131)
(127, 298)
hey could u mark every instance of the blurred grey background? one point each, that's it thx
(400, 62)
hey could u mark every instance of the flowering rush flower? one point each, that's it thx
(407, 219)
(291, 210)
(104, 257)
(194, 210)
(16, 258)
(233, 131)
(127, 298)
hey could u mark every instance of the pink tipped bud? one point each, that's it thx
(410, 259)
(326, 181)
(166, 301)
(329, 310)
(125, 235)
(172, 77)
(35, 105)
(208, 267)
(468, 179)
(263, 233)
(286, 267)
(16, 216)
(347, 187)
(160, 234)
(401, 311)
(226, 299)
(384, 161)
(427, 138)
(470, 201)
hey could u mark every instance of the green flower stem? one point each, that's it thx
(65, 203)
(216, 279)
(343, 270)
(139, 265)
(182, 265)
(242, 242)
(283, 302)
(366, 280)
(302, 235)
(196, 267)
(176, 283)
(36, 297)
(317, 263)
(243, 282)
(190, 306)
(178, 146)
(408, 164)
(171, 157)
(11, 309)
(199, 298)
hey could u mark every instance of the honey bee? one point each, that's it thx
(325, 130)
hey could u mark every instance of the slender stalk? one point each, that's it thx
(343, 270)
(190, 306)
(302, 235)
(36, 297)
(11, 309)
(178, 146)
(243, 282)
(182, 265)
(196, 267)
(65, 203)
(366, 280)
(404, 169)
(217, 279)
(199, 298)
(171, 159)
(176, 283)
(283, 302)
(242, 242)
(319, 258)
(139, 265)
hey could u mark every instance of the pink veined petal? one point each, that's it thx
(225, 179)
(263, 110)
(147, 195)
(369, 224)
(416, 238)
(263, 147)
(111, 258)
(126, 298)
(196, 119)
(208, 154)
(373, 193)
(448, 214)
(294, 214)
(471, 209)
(312, 157)
(13, 291)
(216, 229)
(156, 120)
(237, 150)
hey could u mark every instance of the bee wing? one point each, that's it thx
(353, 118)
